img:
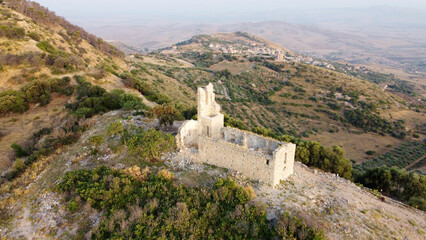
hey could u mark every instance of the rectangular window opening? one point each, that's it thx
(285, 160)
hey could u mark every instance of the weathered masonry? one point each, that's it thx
(259, 158)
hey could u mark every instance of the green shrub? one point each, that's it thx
(12, 32)
(37, 92)
(42, 132)
(19, 150)
(34, 36)
(330, 159)
(334, 106)
(153, 207)
(166, 114)
(150, 94)
(94, 103)
(18, 165)
(84, 113)
(95, 91)
(95, 99)
(115, 128)
(371, 122)
(96, 141)
(72, 206)
(189, 113)
(130, 102)
(398, 183)
(158, 98)
(370, 153)
(232, 122)
(47, 47)
(291, 227)
(61, 86)
(111, 100)
(151, 144)
(12, 101)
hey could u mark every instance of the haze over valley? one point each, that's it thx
(387, 38)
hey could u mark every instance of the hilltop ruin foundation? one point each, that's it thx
(259, 158)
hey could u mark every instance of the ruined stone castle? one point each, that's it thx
(259, 158)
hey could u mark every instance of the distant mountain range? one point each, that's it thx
(387, 38)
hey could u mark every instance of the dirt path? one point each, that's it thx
(247, 70)
(24, 227)
(413, 163)
(397, 103)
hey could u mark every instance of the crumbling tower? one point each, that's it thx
(210, 119)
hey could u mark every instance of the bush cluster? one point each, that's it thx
(93, 99)
(12, 32)
(68, 133)
(330, 159)
(143, 87)
(33, 59)
(167, 114)
(154, 207)
(203, 60)
(148, 144)
(371, 122)
(151, 94)
(38, 91)
(59, 62)
(47, 47)
(406, 186)
(235, 123)
(90, 101)
(12, 101)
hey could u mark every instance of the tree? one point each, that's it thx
(166, 114)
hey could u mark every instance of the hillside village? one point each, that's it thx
(254, 47)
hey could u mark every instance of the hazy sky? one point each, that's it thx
(170, 8)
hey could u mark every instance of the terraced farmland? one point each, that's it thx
(401, 157)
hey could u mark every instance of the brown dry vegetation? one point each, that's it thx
(233, 67)
(20, 127)
(355, 144)
(25, 59)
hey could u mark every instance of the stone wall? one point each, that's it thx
(188, 135)
(284, 162)
(253, 164)
(257, 157)
(250, 140)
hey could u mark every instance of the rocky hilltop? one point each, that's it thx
(336, 205)
(88, 149)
